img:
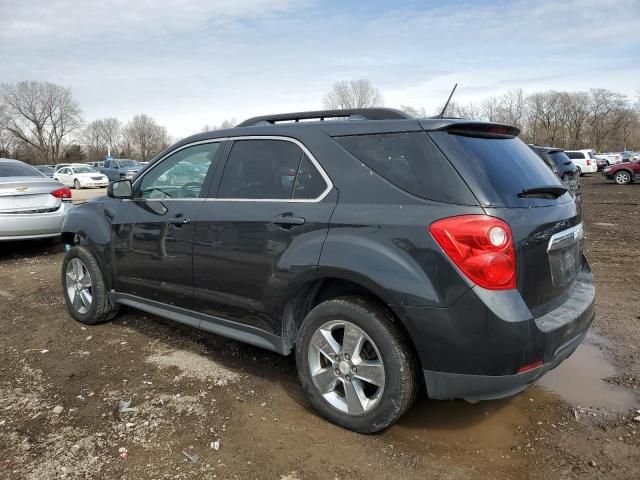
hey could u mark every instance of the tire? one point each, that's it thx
(622, 177)
(96, 307)
(580, 172)
(388, 361)
(76, 184)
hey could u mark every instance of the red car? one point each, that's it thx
(623, 173)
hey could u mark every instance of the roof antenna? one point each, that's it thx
(448, 100)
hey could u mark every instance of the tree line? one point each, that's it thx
(41, 122)
(601, 119)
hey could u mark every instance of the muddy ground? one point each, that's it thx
(187, 390)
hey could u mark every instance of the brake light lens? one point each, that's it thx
(588, 162)
(481, 246)
(64, 192)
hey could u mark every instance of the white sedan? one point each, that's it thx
(81, 176)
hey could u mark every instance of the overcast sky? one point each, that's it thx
(191, 62)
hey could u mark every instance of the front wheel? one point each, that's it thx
(76, 184)
(622, 177)
(355, 365)
(84, 289)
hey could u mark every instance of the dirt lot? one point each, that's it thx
(73, 398)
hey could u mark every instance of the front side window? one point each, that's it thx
(269, 170)
(180, 175)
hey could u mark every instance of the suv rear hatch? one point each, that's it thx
(512, 183)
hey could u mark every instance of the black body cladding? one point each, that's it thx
(251, 268)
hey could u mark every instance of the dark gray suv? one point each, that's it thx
(387, 252)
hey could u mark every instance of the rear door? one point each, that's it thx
(500, 170)
(260, 238)
(153, 241)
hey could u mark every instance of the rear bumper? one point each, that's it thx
(441, 385)
(475, 348)
(34, 225)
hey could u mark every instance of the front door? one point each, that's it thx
(154, 239)
(261, 238)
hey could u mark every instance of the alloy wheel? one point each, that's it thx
(346, 367)
(622, 178)
(79, 287)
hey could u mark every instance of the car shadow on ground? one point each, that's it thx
(14, 250)
(426, 415)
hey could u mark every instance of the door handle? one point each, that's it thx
(287, 221)
(179, 220)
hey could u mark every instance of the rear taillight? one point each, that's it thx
(481, 246)
(62, 193)
(588, 162)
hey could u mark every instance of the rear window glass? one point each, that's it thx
(559, 158)
(18, 170)
(412, 162)
(498, 168)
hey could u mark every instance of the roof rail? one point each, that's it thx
(350, 113)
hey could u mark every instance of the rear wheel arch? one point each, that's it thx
(316, 292)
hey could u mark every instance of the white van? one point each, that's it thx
(584, 160)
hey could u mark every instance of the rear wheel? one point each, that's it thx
(355, 366)
(76, 184)
(622, 177)
(84, 289)
(580, 172)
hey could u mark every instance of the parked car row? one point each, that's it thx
(561, 165)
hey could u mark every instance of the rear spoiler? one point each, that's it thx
(479, 128)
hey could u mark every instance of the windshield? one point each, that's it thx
(128, 164)
(12, 169)
(499, 169)
(84, 170)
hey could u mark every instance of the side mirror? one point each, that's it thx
(120, 189)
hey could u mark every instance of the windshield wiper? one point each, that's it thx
(544, 191)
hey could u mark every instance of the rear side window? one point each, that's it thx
(11, 169)
(412, 162)
(270, 170)
(309, 183)
(575, 155)
(498, 169)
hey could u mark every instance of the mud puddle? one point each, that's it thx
(492, 425)
(579, 380)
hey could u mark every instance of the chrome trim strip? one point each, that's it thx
(566, 237)
(315, 162)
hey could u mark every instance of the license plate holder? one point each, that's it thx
(565, 255)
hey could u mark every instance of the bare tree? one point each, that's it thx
(603, 106)
(489, 109)
(353, 94)
(226, 123)
(512, 108)
(111, 133)
(577, 115)
(415, 112)
(39, 115)
(94, 145)
(144, 138)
